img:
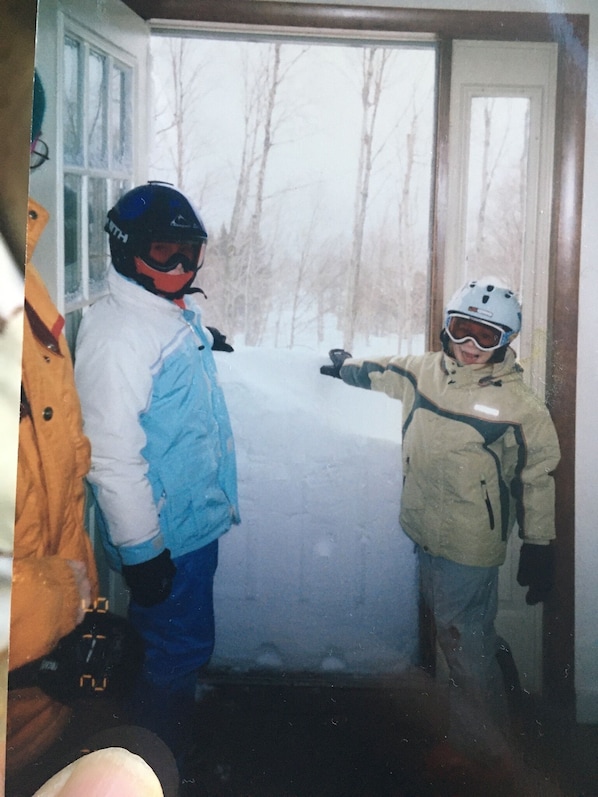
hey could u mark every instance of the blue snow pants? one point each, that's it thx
(179, 636)
(464, 601)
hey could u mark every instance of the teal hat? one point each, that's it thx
(39, 107)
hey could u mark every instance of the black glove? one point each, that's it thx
(219, 343)
(150, 582)
(536, 571)
(338, 357)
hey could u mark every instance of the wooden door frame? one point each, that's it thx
(570, 32)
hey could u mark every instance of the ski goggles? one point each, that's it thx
(166, 256)
(485, 335)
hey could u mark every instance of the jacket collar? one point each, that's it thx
(128, 291)
(489, 374)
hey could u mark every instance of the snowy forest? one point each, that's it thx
(311, 166)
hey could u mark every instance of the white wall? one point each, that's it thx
(586, 511)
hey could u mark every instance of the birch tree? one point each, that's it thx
(257, 273)
(248, 266)
(374, 61)
(412, 253)
(180, 100)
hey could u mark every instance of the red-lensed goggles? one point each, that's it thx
(485, 335)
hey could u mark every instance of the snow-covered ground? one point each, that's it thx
(318, 576)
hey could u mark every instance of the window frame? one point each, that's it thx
(122, 175)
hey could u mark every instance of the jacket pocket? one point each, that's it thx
(488, 503)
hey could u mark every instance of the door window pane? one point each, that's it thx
(97, 111)
(73, 281)
(98, 257)
(121, 117)
(117, 189)
(98, 160)
(72, 119)
(497, 186)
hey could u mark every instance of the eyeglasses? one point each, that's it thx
(485, 335)
(39, 154)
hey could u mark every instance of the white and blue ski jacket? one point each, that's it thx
(163, 460)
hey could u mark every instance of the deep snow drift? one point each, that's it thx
(318, 576)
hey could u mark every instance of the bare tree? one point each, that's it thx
(491, 158)
(240, 257)
(325, 275)
(257, 274)
(251, 129)
(262, 118)
(374, 61)
(181, 96)
(412, 253)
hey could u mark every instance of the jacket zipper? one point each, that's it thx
(488, 503)
(195, 334)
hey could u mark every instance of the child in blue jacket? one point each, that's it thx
(163, 459)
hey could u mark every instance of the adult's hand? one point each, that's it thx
(111, 772)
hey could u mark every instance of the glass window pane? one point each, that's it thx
(73, 140)
(121, 117)
(71, 327)
(98, 240)
(118, 188)
(97, 111)
(497, 186)
(73, 285)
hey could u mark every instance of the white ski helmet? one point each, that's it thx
(488, 301)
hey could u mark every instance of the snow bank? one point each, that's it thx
(319, 575)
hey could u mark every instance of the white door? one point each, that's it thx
(93, 60)
(501, 134)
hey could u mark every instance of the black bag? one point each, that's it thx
(102, 656)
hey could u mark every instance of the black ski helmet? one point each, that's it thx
(147, 214)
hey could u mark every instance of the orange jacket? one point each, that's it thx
(54, 457)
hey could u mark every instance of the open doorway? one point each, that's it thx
(443, 28)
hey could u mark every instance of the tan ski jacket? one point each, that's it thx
(479, 449)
